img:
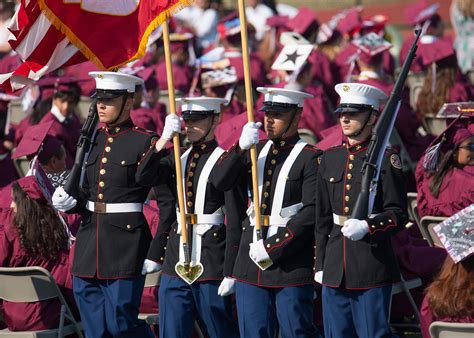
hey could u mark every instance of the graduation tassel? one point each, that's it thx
(432, 155)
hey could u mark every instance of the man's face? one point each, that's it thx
(65, 106)
(56, 164)
(352, 122)
(197, 129)
(276, 123)
(109, 109)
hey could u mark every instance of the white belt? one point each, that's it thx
(113, 208)
(275, 221)
(201, 219)
(339, 220)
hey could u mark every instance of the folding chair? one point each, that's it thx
(405, 287)
(415, 83)
(151, 280)
(426, 227)
(34, 284)
(22, 165)
(413, 207)
(434, 125)
(451, 330)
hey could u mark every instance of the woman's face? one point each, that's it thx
(465, 154)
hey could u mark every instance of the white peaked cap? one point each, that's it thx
(281, 95)
(358, 93)
(115, 81)
(202, 103)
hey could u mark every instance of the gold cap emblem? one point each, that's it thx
(346, 88)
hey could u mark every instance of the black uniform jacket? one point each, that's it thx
(369, 262)
(121, 168)
(216, 258)
(291, 248)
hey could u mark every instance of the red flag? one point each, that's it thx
(40, 46)
(110, 33)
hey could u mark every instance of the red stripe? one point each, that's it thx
(28, 17)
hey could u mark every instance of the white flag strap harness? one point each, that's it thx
(202, 223)
(279, 216)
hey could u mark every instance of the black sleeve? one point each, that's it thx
(324, 219)
(149, 163)
(229, 168)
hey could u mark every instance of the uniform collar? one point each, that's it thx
(57, 114)
(204, 147)
(355, 148)
(127, 125)
(286, 141)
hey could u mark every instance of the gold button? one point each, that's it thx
(348, 187)
(268, 245)
(190, 204)
(314, 269)
(347, 198)
(196, 155)
(346, 209)
(167, 237)
(203, 146)
(243, 228)
(381, 223)
(215, 234)
(273, 162)
(143, 154)
(372, 226)
(104, 160)
(349, 176)
(164, 248)
(351, 157)
(110, 140)
(117, 129)
(331, 179)
(102, 171)
(190, 184)
(101, 196)
(287, 234)
(277, 240)
(107, 149)
(351, 166)
(191, 174)
(266, 194)
(358, 147)
(161, 259)
(389, 220)
(267, 183)
(269, 172)
(282, 143)
(275, 151)
(129, 226)
(101, 184)
(190, 193)
(193, 165)
(264, 206)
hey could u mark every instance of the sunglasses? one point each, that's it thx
(469, 146)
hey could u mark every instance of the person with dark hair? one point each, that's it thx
(450, 298)
(66, 126)
(32, 234)
(444, 182)
(39, 111)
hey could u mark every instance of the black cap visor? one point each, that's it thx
(108, 94)
(352, 108)
(277, 107)
(197, 114)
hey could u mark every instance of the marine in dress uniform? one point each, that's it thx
(281, 293)
(182, 302)
(354, 259)
(114, 237)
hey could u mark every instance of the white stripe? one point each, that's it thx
(34, 37)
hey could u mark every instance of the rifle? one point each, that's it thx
(379, 140)
(83, 147)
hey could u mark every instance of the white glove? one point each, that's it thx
(257, 251)
(249, 135)
(62, 201)
(318, 277)
(227, 287)
(172, 125)
(150, 266)
(355, 229)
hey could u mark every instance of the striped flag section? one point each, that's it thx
(41, 47)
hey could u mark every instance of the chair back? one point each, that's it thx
(413, 207)
(28, 284)
(152, 279)
(451, 330)
(426, 227)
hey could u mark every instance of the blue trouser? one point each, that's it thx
(356, 313)
(261, 309)
(109, 307)
(181, 304)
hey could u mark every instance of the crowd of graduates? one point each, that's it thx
(206, 52)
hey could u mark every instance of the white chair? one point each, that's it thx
(451, 330)
(34, 284)
(413, 207)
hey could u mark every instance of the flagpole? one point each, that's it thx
(176, 143)
(250, 114)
